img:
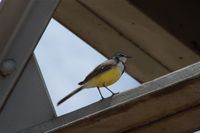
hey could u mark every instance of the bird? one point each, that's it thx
(104, 75)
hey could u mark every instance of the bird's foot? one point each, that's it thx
(102, 98)
(114, 94)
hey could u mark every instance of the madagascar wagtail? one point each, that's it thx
(105, 74)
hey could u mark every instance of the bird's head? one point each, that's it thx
(120, 57)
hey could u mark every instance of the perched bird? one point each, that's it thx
(105, 74)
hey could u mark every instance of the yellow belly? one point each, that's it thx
(107, 78)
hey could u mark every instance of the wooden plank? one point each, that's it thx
(144, 111)
(107, 40)
(11, 18)
(185, 122)
(181, 19)
(145, 33)
(21, 40)
(153, 101)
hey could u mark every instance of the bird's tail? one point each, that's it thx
(70, 95)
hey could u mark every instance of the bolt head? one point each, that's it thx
(7, 67)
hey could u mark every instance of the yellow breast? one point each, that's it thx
(107, 78)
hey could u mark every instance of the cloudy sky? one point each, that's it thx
(65, 60)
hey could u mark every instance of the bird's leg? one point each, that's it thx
(100, 93)
(111, 91)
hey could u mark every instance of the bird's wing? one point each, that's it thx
(99, 69)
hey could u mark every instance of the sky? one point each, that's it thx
(65, 60)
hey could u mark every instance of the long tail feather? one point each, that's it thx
(69, 95)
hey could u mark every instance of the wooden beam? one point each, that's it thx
(181, 19)
(143, 32)
(165, 97)
(20, 32)
(184, 121)
(107, 40)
